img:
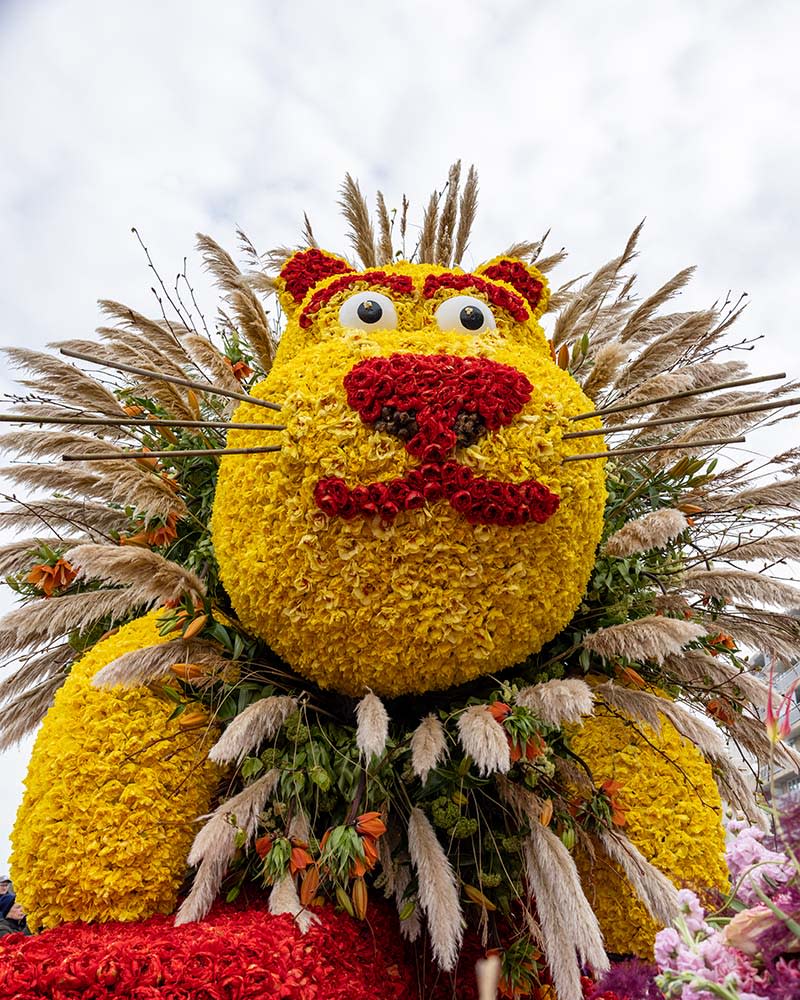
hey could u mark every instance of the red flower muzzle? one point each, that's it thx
(434, 404)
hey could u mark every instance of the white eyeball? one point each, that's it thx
(368, 311)
(464, 314)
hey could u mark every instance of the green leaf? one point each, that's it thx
(220, 633)
(252, 766)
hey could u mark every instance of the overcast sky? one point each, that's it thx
(580, 117)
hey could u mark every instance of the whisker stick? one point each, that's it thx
(188, 383)
(685, 394)
(11, 418)
(178, 453)
(672, 446)
(710, 414)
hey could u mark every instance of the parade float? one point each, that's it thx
(392, 616)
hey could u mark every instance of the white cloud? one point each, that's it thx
(579, 116)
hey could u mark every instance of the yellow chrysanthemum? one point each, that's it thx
(674, 817)
(112, 793)
(428, 600)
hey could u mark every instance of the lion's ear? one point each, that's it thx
(523, 278)
(302, 271)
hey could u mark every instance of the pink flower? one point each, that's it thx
(747, 926)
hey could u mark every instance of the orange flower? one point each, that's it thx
(309, 885)
(51, 578)
(240, 369)
(133, 410)
(358, 896)
(631, 677)
(721, 639)
(610, 788)
(140, 538)
(358, 869)
(188, 671)
(300, 858)
(721, 710)
(370, 851)
(163, 534)
(499, 711)
(370, 824)
(263, 845)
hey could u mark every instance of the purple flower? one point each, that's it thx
(632, 979)
(752, 862)
(669, 945)
(786, 980)
(693, 913)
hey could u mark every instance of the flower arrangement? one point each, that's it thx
(663, 784)
(141, 778)
(753, 953)
(427, 680)
(244, 954)
(509, 505)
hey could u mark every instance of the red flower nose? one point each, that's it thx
(435, 402)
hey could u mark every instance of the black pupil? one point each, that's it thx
(471, 318)
(369, 311)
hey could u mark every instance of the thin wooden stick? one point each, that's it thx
(622, 407)
(111, 457)
(11, 418)
(708, 415)
(188, 383)
(673, 446)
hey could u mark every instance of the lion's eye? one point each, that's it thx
(368, 311)
(464, 314)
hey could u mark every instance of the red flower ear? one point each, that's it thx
(307, 268)
(527, 280)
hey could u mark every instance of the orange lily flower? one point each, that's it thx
(618, 811)
(358, 869)
(165, 533)
(51, 578)
(263, 845)
(721, 710)
(630, 676)
(240, 369)
(370, 824)
(300, 858)
(499, 710)
(370, 851)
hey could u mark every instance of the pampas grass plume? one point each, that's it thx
(652, 531)
(372, 730)
(484, 739)
(438, 890)
(256, 724)
(428, 747)
(558, 701)
(284, 899)
(651, 638)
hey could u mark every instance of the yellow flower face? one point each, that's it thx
(419, 527)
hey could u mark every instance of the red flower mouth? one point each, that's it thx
(435, 403)
(480, 500)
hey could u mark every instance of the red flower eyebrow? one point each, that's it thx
(401, 284)
(501, 297)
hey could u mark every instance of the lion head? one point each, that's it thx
(419, 526)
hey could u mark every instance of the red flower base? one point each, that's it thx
(233, 954)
